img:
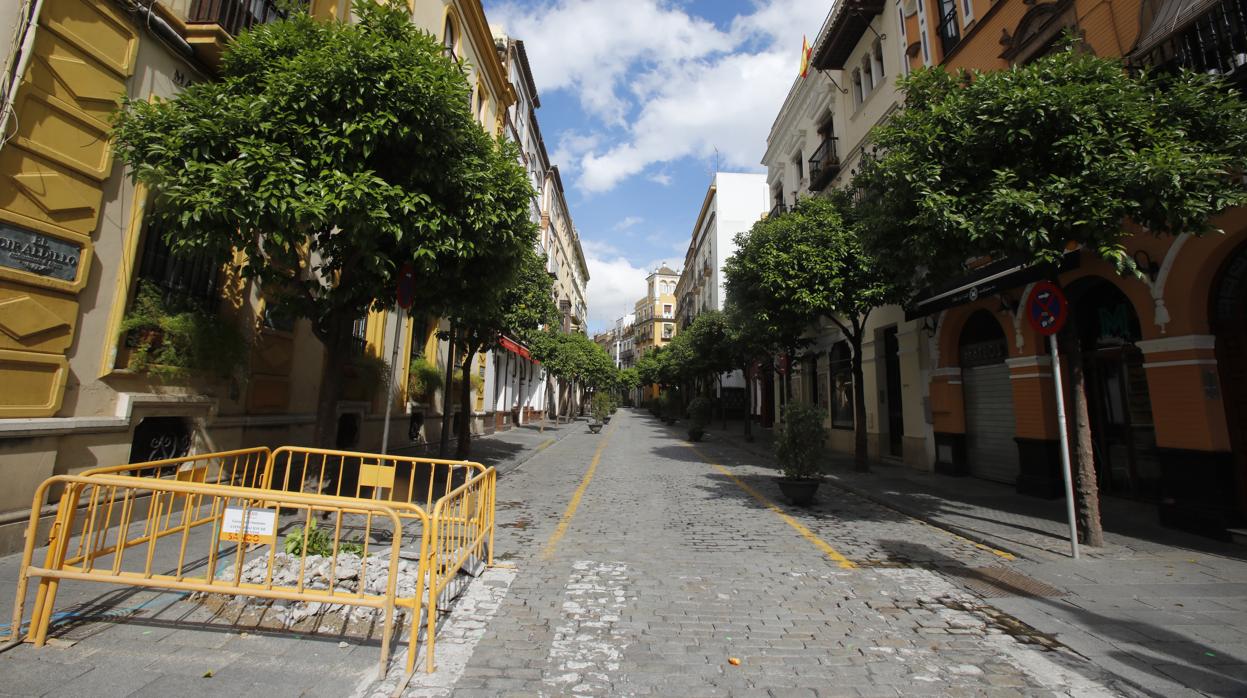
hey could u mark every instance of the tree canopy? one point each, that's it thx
(1065, 150)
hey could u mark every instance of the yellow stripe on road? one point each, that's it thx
(566, 521)
(806, 533)
(543, 445)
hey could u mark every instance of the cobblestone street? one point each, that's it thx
(645, 566)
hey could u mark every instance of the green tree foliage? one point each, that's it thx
(1063, 150)
(1070, 150)
(575, 358)
(810, 263)
(331, 153)
(518, 306)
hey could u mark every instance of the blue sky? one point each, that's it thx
(640, 101)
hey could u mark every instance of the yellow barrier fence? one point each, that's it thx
(217, 539)
(463, 534)
(406, 479)
(187, 519)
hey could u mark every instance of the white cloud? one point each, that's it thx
(628, 222)
(614, 286)
(665, 85)
(661, 178)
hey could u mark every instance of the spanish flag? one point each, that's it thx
(805, 56)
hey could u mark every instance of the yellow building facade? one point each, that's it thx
(75, 247)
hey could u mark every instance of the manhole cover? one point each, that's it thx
(994, 582)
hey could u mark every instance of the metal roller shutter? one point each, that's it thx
(990, 449)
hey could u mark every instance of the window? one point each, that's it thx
(950, 33)
(667, 311)
(858, 95)
(668, 330)
(876, 60)
(797, 163)
(449, 45)
(922, 32)
(184, 277)
(841, 386)
(359, 335)
(868, 76)
(904, 42)
(967, 9)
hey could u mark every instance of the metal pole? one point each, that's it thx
(1064, 434)
(389, 393)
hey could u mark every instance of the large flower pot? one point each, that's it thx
(799, 490)
(695, 433)
(594, 427)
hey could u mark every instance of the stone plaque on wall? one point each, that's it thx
(40, 254)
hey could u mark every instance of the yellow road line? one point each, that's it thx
(806, 533)
(543, 445)
(566, 521)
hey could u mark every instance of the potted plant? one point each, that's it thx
(670, 406)
(799, 447)
(366, 377)
(423, 380)
(172, 340)
(601, 409)
(699, 417)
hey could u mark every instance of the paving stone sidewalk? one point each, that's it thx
(1164, 609)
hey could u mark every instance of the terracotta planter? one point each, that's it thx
(799, 490)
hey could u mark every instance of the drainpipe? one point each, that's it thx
(25, 36)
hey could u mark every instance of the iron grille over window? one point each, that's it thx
(950, 33)
(359, 336)
(824, 164)
(234, 16)
(1215, 43)
(180, 276)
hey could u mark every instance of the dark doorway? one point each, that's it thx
(347, 438)
(896, 410)
(1122, 431)
(768, 397)
(1229, 324)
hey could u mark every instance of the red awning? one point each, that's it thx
(516, 348)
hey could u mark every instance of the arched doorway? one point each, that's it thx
(991, 452)
(1229, 324)
(1123, 433)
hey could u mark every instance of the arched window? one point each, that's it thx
(449, 48)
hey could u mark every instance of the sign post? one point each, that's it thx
(1047, 311)
(406, 290)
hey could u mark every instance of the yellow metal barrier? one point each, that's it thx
(390, 478)
(242, 528)
(463, 532)
(220, 507)
(243, 467)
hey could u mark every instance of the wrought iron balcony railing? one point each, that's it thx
(824, 164)
(234, 16)
(1215, 43)
(950, 33)
(777, 209)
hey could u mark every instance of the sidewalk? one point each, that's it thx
(505, 450)
(1163, 609)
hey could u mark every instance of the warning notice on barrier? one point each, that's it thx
(250, 526)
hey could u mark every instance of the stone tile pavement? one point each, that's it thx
(1161, 608)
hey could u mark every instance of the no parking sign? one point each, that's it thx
(1046, 309)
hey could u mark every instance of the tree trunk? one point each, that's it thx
(465, 404)
(337, 355)
(444, 443)
(748, 405)
(1086, 487)
(860, 462)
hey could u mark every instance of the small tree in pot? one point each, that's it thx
(799, 446)
(699, 416)
(601, 408)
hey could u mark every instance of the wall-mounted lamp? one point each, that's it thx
(930, 325)
(1007, 304)
(1146, 264)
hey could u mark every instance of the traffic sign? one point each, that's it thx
(406, 286)
(1046, 309)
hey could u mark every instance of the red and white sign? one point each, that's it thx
(1046, 308)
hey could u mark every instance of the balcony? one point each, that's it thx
(824, 164)
(850, 20)
(950, 33)
(1213, 42)
(211, 24)
(778, 209)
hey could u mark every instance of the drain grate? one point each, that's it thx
(996, 582)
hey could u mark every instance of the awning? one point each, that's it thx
(1172, 16)
(991, 279)
(515, 348)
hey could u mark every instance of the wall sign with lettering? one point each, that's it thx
(40, 254)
